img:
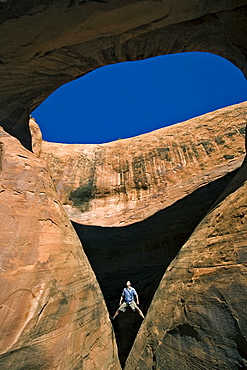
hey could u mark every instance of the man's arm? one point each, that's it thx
(137, 299)
(121, 299)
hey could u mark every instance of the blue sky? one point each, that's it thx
(131, 98)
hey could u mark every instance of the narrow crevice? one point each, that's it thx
(141, 252)
(1, 154)
(43, 307)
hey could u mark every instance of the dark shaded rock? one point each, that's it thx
(182, 178)
(141, 252)
(46, 43)
(198, 318)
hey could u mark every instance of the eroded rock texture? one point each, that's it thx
(52, 312)
(147, 195)
(197, 319)
(47, 43)
(126, 181)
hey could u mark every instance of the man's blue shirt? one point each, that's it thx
(128, 294)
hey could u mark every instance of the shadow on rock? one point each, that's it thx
(141, 252)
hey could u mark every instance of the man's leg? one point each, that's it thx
(140, 312)
(134, 306)
(121, 308)
(115, 315)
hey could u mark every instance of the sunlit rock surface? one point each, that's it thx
(52, 312)
(197, 319)
(128, 180)
(36, 137)
(169, 179)
(47, 43)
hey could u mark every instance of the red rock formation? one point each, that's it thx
(36, 137)
(198, 316)
(47, 43)
(126, 181)
(178, 176)
(197, 319)
(52, 312)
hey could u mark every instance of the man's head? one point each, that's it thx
(128, 284)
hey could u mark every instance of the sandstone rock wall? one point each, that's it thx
(51, 308)
(126, 181)
(153, 190)
(197, 319)
(52, 312)
(47, 43)
(141, 252)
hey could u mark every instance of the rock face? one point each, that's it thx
(47, 43)
(198, 317)
(141, 252)
(142, 191)
(52, 312)
(36, 137)
(126, 181)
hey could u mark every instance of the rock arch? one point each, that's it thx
(45, 44)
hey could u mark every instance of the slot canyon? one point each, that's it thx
(166, 209)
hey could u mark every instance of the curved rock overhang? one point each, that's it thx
(45, 44)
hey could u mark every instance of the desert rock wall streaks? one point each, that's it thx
(128, 180)
(135, 202)
(52, 312)
(197, 319)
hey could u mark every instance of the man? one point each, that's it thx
(128, 297)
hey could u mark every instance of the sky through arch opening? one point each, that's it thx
(131, 98)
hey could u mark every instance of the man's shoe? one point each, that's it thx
(111, 318)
